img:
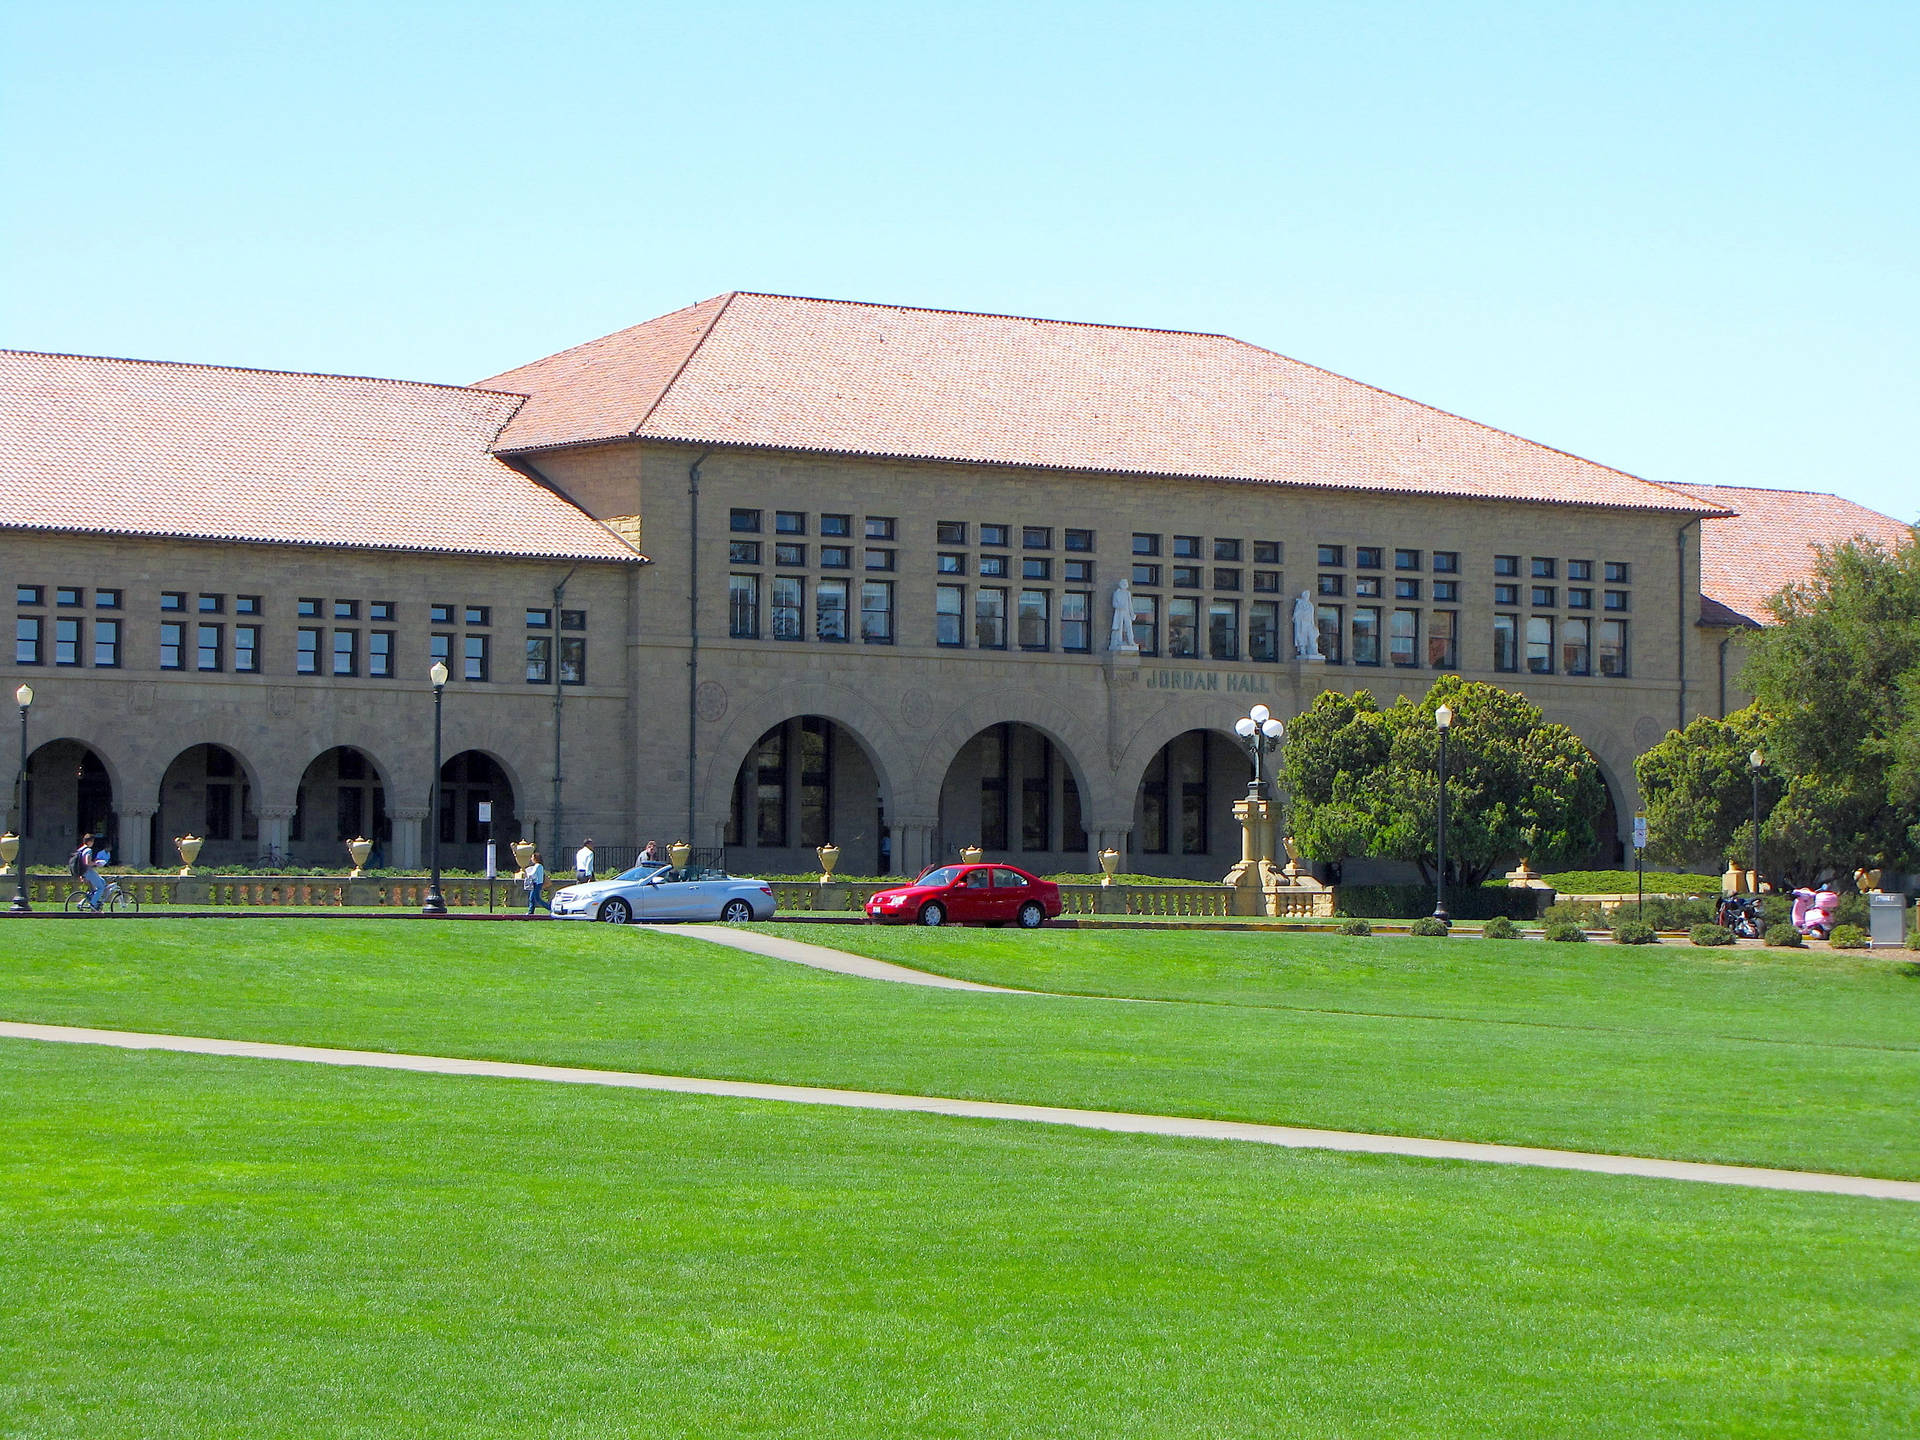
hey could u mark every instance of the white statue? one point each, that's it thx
(1121, 637)
(1306, 629)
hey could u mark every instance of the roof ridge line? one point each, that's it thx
(258, 370)
(681, 368)
(983, 314)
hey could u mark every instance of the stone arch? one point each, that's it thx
(73, 787)
(749, 718)
(213, 790)
(467, 778)
(1014, 790)
(1183, 822)
(805, 781)
(343, 793)
(1068, 731)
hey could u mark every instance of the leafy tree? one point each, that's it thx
(1364, 781)
(1697, 785)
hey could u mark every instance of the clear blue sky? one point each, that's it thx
(1676, 239)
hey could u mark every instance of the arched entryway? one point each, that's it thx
(805, 782)
(1015, 792)
(342, 797)
(1183, 822)
(468, 781)
(67, 793)
(209, 791)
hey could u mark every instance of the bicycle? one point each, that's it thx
(272, 858)
(113, 901)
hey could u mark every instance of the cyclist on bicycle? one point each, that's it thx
(83, 866)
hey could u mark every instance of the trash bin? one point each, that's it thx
(1887, 919)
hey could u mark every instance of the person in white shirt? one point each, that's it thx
(583, 862)
(534, 878)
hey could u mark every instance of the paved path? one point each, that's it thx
(1286, 1135)
(819, 957)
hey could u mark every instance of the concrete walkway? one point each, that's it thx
(1285, 1135)
(819, 957)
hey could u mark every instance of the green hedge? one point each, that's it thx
(1622, 882)
(1409, 902)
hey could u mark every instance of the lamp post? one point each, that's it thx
(1755, 761)
(1261, 734)
(23, 697)
(1443, 722)
(435, 903)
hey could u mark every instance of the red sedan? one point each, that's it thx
(969, 894)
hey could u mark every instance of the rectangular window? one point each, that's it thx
(788, 610)
(1190, 765)
(1403, 637)
(475, 651)
(1036, 815)
(346, 652)
(950, 615)
(1367, 585)
(66, 641)
(1146, 574)
(1263, 630)
(1616, 599)
(539, 619)
(1034, 623)
(170, 600)
(106, 644)
(479, 615)
(1186, 547)
(1146, 623)
(1446, 562)
(1077, 540)
(436, 614)
(1153, 805)
(1266, 582)
(836, 525)
(1543, 595)
(1367, 557)
(1579, 570)
(1366, 634)
(1613, 648)
(950, 532)
(1223, 630)
(1576, 647)
(1579, 598)
(770, 788)
(380, 654)
(1226, 549)
(993, 788)
(1506, 565)
(1539, 644)
(1506, 642)
(830, 610)
(1036, 567)
(1332, 622)
(1619, 573)
(209, 647)
(37, 595)
(836, 557)
(1187, 577)
(1183, 627)
(949, 564)
(306, 651)
(1406, 589)
(1267, 552)
(744, 522)
(1077, 572)
(1036, 537)
(879, 527)
(1076, 628)
(376, 610)
(573, 660)
(1506, 594)
(1446, 591)
(995, 535)
(1543, 568)
(994, 567)
(1333, 585)
(876, 612)
(439, 650)
(743, 607)
(990, 618)
(173, 645)
(789, 522)
(342, 609)
(816, 781)
(1225, 579)
(110, 599)
(1406, 559)
(1146, 544)
(539, 659)
(1443, 639)
(743, 552)
(789, 554)
(879, 559)
(573, 619)
(69, 595)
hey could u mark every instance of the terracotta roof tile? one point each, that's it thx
(139, 447)
(1768, 544)
(782, 372)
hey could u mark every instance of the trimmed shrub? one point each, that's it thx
(1431, 928)
(1854, 910)
(1913, 940)
(1464, 902)
(1500, 928)
(1566, 930)
(1784, 937)
(1849, 937)
(1573, 912)
(1355, 926)
(1711, 935)
(1621, 882)
(1635, 932)
(1674, 912)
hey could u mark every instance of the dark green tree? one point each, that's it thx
(1362, 780)
(1697, 788)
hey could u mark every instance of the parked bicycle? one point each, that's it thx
(113, 901)
(272, 858)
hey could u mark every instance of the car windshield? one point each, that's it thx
(640, 872)
(945, 875)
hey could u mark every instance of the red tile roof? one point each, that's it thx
(139, 447)
(1768, 544)
(783, 372)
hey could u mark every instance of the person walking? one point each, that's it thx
(583, 862)
(534, 877)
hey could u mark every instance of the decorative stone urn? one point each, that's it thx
(359, 848)
(1109, 862)
(972, 855)
(189, 848)
(1524, 877)
(9, 848)
(679, 852)
(523, 853)
(1867, 882)
(1734, 882)
(829, 857)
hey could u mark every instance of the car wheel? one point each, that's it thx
(1031, 915)
(735, 911)
(933, 913)
(616, 912)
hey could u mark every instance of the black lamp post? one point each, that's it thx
(435, 903)
(1443, 722)
(1260, 733)
(1755, 761)
(20, 906)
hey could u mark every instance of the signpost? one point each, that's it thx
(486, 819)
(1639, 860)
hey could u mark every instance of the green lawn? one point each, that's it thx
(208, 1248)
(1813, 1063)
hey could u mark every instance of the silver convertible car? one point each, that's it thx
(659, 892)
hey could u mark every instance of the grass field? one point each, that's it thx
(192, 1247)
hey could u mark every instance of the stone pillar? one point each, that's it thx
(912, 844)
(407, 839)
(136, 831)
(1256, 872)
(276, 826)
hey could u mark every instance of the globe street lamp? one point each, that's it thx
(23, 697)
(1443, 722)
(1261, 735)
(435, 904)
(1754, 762)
